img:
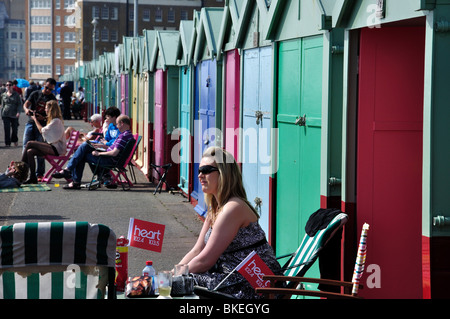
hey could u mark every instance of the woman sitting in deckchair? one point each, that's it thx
(54, 137)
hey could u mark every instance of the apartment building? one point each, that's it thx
(12, 40)
(60, 33)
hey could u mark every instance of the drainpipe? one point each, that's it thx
(135, 31)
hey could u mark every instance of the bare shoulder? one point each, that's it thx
(239, 209)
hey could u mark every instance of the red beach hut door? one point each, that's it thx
(389, 158)
(160, 119)
(232, 102)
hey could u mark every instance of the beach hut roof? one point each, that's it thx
(208, 34)
(186, 38)
(165, 52)
(148, 47)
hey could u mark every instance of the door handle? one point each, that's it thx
(259, 116)
(258, 202)
(334, 181)
(301, 121)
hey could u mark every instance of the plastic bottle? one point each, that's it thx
(148, 270)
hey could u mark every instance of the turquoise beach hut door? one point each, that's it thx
(185, 126)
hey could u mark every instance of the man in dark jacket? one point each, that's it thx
(30, 89)
(66, 96)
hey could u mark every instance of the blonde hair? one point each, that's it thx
(229, 182)
(54, 111)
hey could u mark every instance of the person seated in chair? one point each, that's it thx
(231, 230)
(110, 130)
(54, 138)
(87, 154)
(95, 134)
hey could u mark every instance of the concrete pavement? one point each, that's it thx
(112, 207)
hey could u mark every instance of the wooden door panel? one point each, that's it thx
(389, 156)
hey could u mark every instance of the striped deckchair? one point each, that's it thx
(57, 260)
(309, 249)
(298, 262)
(350, 289)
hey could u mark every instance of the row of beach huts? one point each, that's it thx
(325, 103)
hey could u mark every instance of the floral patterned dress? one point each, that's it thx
(247, 239)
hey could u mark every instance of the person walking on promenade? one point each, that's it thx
(11, 104)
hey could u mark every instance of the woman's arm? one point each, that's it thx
(231, 218)
(199, 245)
(38, 125)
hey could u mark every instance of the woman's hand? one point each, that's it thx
(96, 153)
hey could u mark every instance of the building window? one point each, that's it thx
(158, 15)
(115, 13)
(114, 36)
(58, 53)
(58, 69)
(184, 15)
(69, 4)
(41, 20)
(146, 15)
(41, 53)
(13, 35)
(131, 15)
(40, 4)
(105, 35)
(57, 36)
(105, 13)
(57, 20)
(69, 54)
(95, 12)
(69, 21)
(41, 36)
(45, 69)
(68, 69)
(171, 15)
(69, 37)
(58, 4)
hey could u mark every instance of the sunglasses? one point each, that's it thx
(207, 169)
(47, 88)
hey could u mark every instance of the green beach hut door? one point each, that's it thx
(299, 104)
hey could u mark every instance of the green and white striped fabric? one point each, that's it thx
(308, 250)
(55, 260)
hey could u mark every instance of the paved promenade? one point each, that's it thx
(112, 207)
